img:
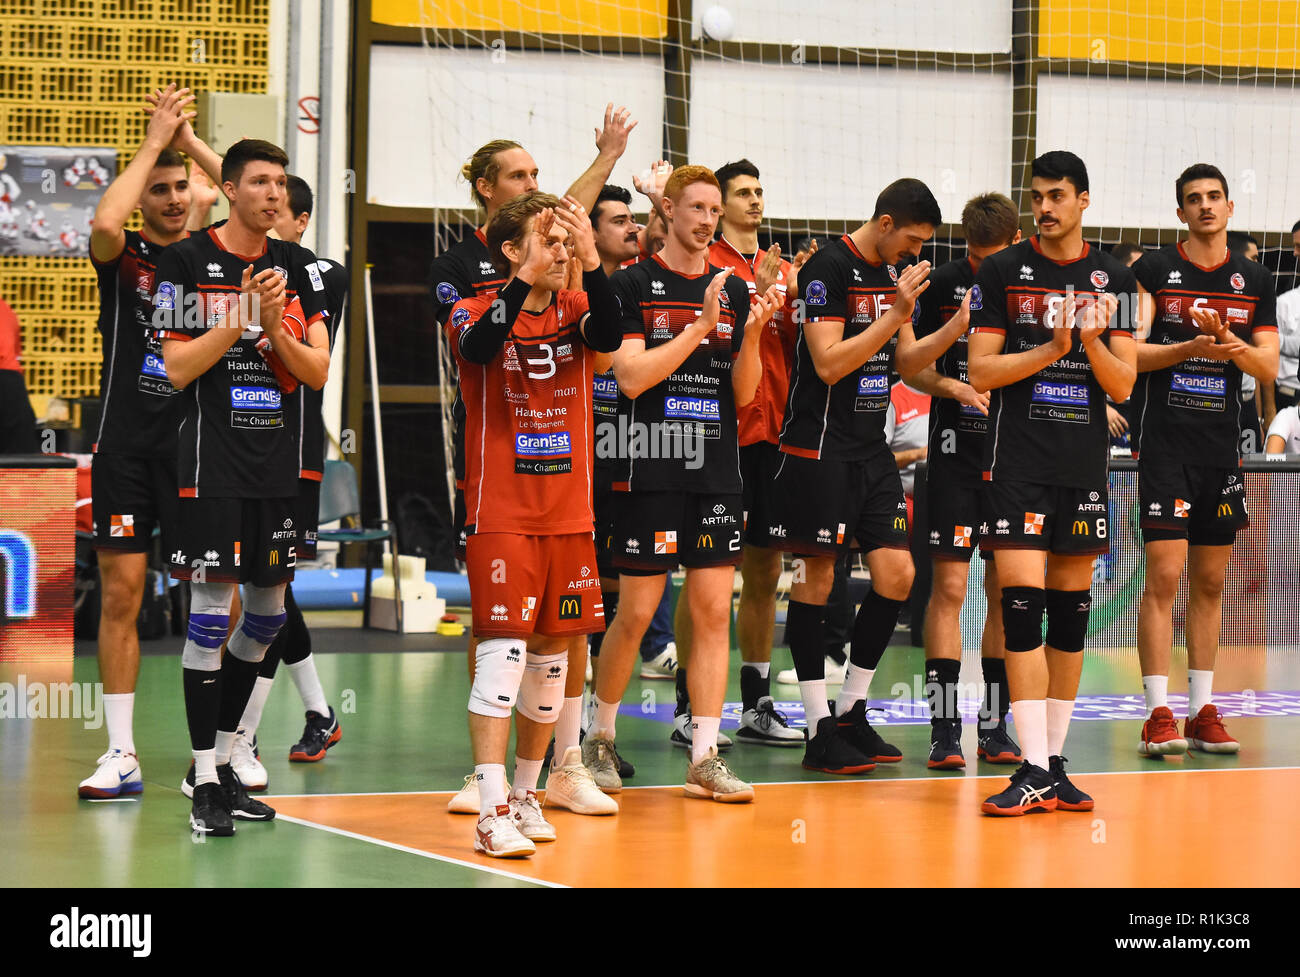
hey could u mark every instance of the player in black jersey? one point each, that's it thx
(837, 482)
(242, 323)
(1051, 337)
(932, 357)
(293, 643)
(498, 172)
(690, 354)
(1212, 316)
(134, 470)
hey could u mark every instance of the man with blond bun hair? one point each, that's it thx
(689, 358)
(932, 357)
(526, 359)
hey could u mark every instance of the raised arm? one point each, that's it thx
(611, 142)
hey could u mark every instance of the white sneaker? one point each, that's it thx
(682, 735)
(572, 787)
(498, 835)
(768, 727)
(711, 778)
(465, 801)
(118, 775)
(834, 673)
(529, 818)
(243, 759)
(662, 665)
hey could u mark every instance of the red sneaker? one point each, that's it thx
(1160, 734)
(1206, 733)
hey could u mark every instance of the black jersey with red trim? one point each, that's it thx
(238, 434)
(957, 430)
(681, 434)
(844, 421)
(461, 272)
(1192, 410)
(1049, 428)
(139, 408)
(311, 442)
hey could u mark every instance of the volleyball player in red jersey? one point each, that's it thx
(526, 359)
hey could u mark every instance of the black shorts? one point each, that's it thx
(236, 541)
(758, 464)
(603, 508)
(819, 508)
(130, 496)
(308, 521)
(655, 532)
(1203, 504)
(1059, 519)
(458, 524)
(954, 510)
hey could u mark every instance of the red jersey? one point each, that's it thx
(760, 419)
(528, 422)
(11, 340)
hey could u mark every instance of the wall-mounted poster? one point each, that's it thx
(48, 196)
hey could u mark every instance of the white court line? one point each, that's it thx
(845, 780)
(404, 848)
(112, 800)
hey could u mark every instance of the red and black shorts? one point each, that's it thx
(1203, 504)
(130, 496)
(656, 532)
(821, 507)
(1060, 519)
(603, 508)
(525, 585)
(240, 541)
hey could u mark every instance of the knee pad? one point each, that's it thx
(1022, 617)
(208, 624)
(262, 619)
(498, 672)
(1067, 619)
(541, 693)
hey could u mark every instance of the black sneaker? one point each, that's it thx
(209, 814)
(945, 745)
(237, 800)
(830, 751)
(996, 744)
(1031, 790)
(855, 728)
(319, 735)
(1068, 797)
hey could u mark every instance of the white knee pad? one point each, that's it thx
(541, 694)
(498, 670)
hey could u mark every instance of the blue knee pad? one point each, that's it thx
(1022, 617)
(208, 624)
(264, 615)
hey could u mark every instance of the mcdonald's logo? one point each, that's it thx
(274, 559)
(900, 522)
(571, 607)
(1225, 508)
(705, 542)
(1080, 527)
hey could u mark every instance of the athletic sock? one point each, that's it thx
(754, 684)
(567, 728)
(704, 736)
(202, 704)
(252, 717)
(304, 676)
(205, 767)
(997, 696)
(857, 681)
(815, 706)
(1058, 724)
(225, 744)
(118, 710)
(1031, 727)
(1156, 689)
(606, 713)
(761, 667)
(526, 774)
(941, 675)
(491, 778)
(872, 629)
(237, 680)
(1200, 686)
